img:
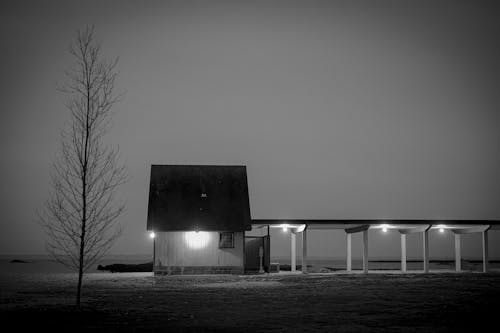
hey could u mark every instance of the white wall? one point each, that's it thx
(182, 248)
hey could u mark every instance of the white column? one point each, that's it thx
(403, 253)
(485, 250)
(349, 253)
(293, 251)
(304, 251)
(458, 254)
(365, 251)
(426, 250)
(154, 253)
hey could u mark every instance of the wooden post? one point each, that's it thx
(349, 253)
(426, 250)
(293, 250)
(485, 250)
(403, 253)
(458, 254)
(365, 251)
(304, 251)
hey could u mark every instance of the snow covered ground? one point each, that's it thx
(274, 303)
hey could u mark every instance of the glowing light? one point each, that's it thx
(301, 228)
(285, 227)
(384, 229)
(441, 230)
(152, 235)
(196, 239)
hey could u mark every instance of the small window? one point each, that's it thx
(226, 240)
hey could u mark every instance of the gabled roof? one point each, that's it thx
(198, 197)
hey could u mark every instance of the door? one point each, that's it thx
(253, 245)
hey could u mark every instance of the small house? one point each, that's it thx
(199, 215)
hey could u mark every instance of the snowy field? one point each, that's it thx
(137, 302)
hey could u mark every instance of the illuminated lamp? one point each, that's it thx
(301, 228)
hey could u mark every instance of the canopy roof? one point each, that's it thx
(389, 223)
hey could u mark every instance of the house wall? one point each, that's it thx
(180, 252)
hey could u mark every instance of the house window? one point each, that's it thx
(226, 240)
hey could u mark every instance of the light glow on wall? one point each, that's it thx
(152, 235)
(197, 239)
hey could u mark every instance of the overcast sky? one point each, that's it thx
(339, 109)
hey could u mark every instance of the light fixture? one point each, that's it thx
(152, 235)
(285, 227)
(301, 228)
(441, 230)
(384, 227)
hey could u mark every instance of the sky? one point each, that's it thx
(339, 109)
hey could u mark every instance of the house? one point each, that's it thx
(199, 214)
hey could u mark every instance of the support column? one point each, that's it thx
(458, 254)
(426, 250)
(349, 253)
(365, 251)
(403, 253)
(304, 251)
(154, 253)
(293, 251)
(485, 251)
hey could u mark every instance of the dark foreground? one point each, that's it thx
(342, 303)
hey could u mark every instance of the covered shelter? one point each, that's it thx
(404, 227)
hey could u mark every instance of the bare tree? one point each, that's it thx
(81, 215)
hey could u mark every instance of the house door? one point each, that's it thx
(253, 245)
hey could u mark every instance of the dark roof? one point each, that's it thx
(198, 197)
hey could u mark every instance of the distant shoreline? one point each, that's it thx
(147, 257)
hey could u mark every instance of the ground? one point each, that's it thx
(269, 303)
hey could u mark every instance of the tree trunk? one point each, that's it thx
(79, 288)
(84, 194)
(82, 242)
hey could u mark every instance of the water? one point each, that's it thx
(42, 264)
(336, 264)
